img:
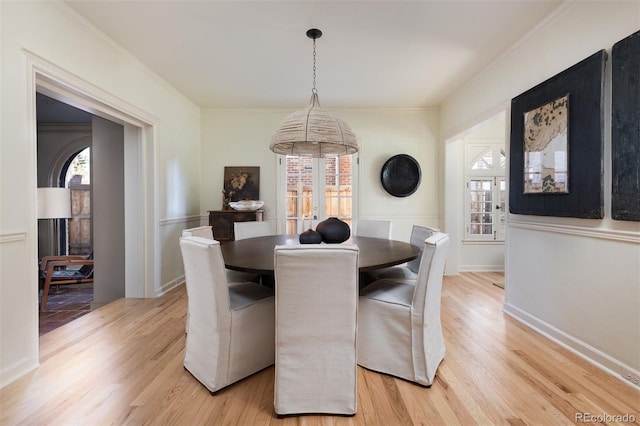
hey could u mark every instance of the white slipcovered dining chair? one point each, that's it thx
(242, 230)
(409, 269)
(202, 232)
(232, 276)
(399, 329)
(199, 231)
(231, 325)
(374, 229)
(316, 310)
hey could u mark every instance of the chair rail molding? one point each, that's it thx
(13, 237)
(177, 220)
(605, 234)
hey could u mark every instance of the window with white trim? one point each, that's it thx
(485, 213)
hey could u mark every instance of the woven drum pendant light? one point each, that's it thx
(313, 131)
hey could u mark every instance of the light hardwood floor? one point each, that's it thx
(122, 364)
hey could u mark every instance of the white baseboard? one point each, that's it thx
(17, 370)
(167, 287)
(587, 352)
(481, 268)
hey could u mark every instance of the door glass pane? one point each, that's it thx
(77, 237)
(79, 171)
(502, 218)
(481, 207)
(484, 162)
(299, 198)
(338, 187)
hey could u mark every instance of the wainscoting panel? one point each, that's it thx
(171, 267)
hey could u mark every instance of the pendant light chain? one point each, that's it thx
(314, 90)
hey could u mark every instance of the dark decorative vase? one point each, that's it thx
(310, 237)
(333, 230)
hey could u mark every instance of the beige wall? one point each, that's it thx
(242, 137)
(575, 280)
(46, 36)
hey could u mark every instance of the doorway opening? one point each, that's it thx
(475, 195)
(141, 267)
(63, 147)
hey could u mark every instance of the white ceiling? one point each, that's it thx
(255, 54)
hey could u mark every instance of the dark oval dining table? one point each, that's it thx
(256, 254)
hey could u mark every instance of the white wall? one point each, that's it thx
(242, 137)
(576, 280)
(238, 138)
(383, 134)
(47, 33)
(481, 256)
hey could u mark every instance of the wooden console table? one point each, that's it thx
(221, 221)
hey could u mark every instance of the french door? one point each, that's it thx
(485, 210)
(314, 189)
(486, 217)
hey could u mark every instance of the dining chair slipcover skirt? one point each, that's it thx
(231, 325)
(316, 331)
(374, 229)
(399, 329)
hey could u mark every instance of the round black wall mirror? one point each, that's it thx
(400, 175)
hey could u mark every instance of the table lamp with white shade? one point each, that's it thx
(54, 203)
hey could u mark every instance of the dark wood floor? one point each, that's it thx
(65, 304)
